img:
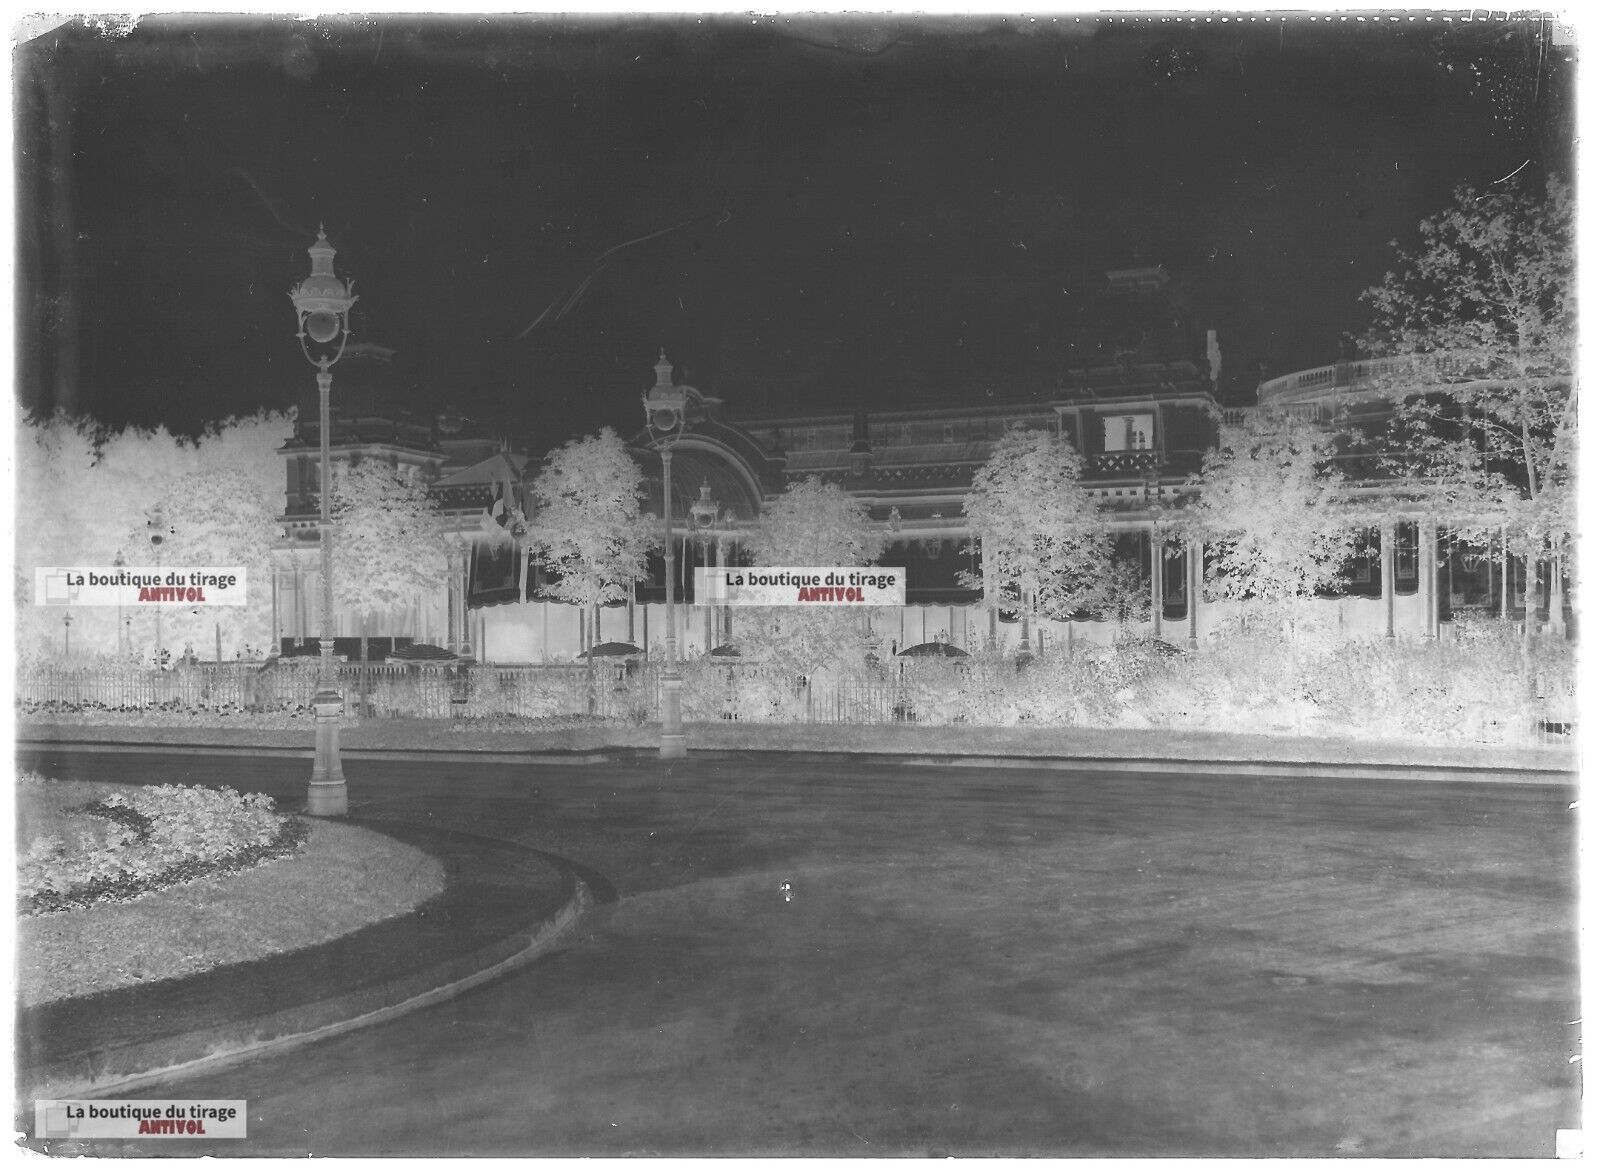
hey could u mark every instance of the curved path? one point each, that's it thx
(879, 960)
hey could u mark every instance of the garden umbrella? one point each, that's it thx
(422, 652)
(934, 648)
(611, 651)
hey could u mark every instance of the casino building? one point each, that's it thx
(1134, 399)
(1138, 404)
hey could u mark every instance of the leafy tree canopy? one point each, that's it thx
(389, 545)
(1483, 311)
(587, 525)
(815, 524)
(1270, 509)
(1040, 529)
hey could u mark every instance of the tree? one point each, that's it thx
(219, 499)
(587, 526)
(811, 523)
(1045, 546)
(1485, 410)
(389, 544)
(1271, 510)
(84, 494)
(219, 517)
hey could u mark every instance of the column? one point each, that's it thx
(1155, 582)
(988, 589)
(450, 601)
(1193, 559)
(724, 614)
(1428, 577)
(1386, 574)
(1558, 598)
(1505, 577)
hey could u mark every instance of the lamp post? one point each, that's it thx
(665, 413)
(702, 519)
(157, 525)
(322, 310)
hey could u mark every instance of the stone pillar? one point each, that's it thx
(1428, 577)
(1156, 584)
(1505, 577)
(1386, 574)
(724, 614)
(450, 641)
(989, 588)
(277, 622)
(1558, 598)
(1194, 559)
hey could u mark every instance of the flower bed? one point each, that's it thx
(175, 714)
(140, 840)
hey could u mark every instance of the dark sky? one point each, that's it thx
(882, 212)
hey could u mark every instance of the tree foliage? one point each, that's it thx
(84, 495)
(587, 526)
(813, 523)
(389, 545)
(1486, 407)
(1044, 541)
(1270, 510)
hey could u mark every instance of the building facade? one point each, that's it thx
(1136, 402)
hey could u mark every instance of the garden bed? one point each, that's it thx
(121, 844)
(214, 916)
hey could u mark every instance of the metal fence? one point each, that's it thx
(380, 690)
(929, 693)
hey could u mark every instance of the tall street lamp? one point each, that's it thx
(322, 311)
(702, 522)
(157, 525)
(665, 413)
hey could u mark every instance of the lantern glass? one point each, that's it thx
(323, 326)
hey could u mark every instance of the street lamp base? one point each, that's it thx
(328, 800)
(327, 795)
(674, 745)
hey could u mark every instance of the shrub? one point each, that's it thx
(159, 836)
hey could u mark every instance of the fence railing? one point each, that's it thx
(930, 692)
(386, 690)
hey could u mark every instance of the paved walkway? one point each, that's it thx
(883, 960)
(1094, 748)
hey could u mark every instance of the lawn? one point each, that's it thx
(217, 919)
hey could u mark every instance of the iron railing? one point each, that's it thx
(933, 692)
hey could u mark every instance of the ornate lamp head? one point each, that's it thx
(666, 405)
(703, 512)
(322, 301)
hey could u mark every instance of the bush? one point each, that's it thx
(158, 836)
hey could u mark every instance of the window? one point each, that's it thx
(1130, 433)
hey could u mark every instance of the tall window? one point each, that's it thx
(1130, 433)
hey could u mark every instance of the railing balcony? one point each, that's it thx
(1124, 463)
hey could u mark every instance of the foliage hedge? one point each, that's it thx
(159, 836)
(1488, 685)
